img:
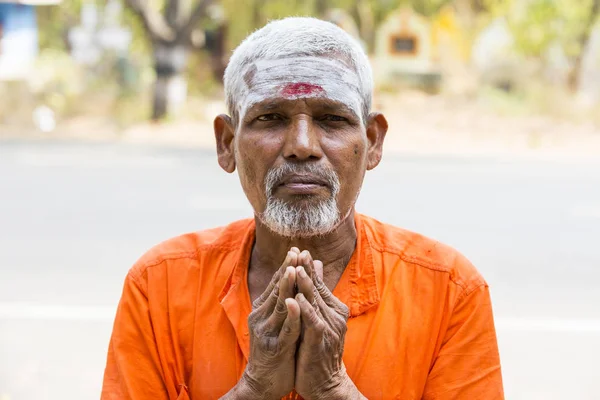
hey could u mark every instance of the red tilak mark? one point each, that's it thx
(300, 89)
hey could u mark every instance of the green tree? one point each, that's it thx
(582, 41)
(243, 17)
(538, 24)
(54, 23)
(169, 26)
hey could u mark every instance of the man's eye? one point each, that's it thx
(335, 118)
(268, 117)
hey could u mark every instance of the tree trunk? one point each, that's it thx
(362, 13)
(169, 62)
(160, 100)
(215, 45)
(584, 39)
(575, 74)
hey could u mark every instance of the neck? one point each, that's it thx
(333, 249)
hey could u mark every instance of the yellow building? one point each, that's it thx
(411, 49)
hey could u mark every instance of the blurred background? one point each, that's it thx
(106, 148)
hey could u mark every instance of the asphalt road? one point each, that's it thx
(74, 218)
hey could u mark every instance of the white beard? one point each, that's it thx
(301, 220)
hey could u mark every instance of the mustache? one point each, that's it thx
(276, 175)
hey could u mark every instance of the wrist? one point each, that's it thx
(245, 389)
(251, 388)
(349, 391)
(340, 387)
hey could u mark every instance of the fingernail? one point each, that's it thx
(302, 273)
(286, 274)
(289, 270)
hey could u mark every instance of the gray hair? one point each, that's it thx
(296, 37)
(297, 221)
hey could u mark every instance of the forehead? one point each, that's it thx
(300, 67)
(300, 77)
(322, 103)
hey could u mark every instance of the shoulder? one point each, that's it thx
(192, 247)
(423, 252)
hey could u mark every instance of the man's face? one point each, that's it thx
(301, 145)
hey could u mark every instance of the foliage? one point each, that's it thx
(429, 8)
(245, 17)
(54, 23)
(140, 46)
(538, 24)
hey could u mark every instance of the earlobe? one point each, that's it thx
(376, 130)
(224, 134)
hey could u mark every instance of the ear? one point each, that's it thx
(225, 133)
(377, 127)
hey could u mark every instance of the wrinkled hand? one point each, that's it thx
(274, 328)
(320, 371)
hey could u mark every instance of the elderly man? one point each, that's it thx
(308, 299)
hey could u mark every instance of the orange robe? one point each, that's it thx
(420, 327)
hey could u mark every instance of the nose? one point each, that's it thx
(302, 140)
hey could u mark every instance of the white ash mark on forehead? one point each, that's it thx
(265, 78)
(296, 38)
(306, 69)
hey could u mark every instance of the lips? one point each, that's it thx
(302, 184)
(303, 179)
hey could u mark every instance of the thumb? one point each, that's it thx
(290, 331)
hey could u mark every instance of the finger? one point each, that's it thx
(272, 287)
(305, 259)
(286, 291)
(290, 330)
(305, 284)
(296, 251)
(277, 299)
(287, 283)
(312, 295)
(313, 325)
(314, 270)
(318, 267)
(317, 279)
(290, 259)
(325, 294)
(293, 261)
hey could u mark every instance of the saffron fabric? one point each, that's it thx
(420, 326)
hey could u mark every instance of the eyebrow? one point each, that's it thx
(328, 104)
(333, 105)
(268, 105)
